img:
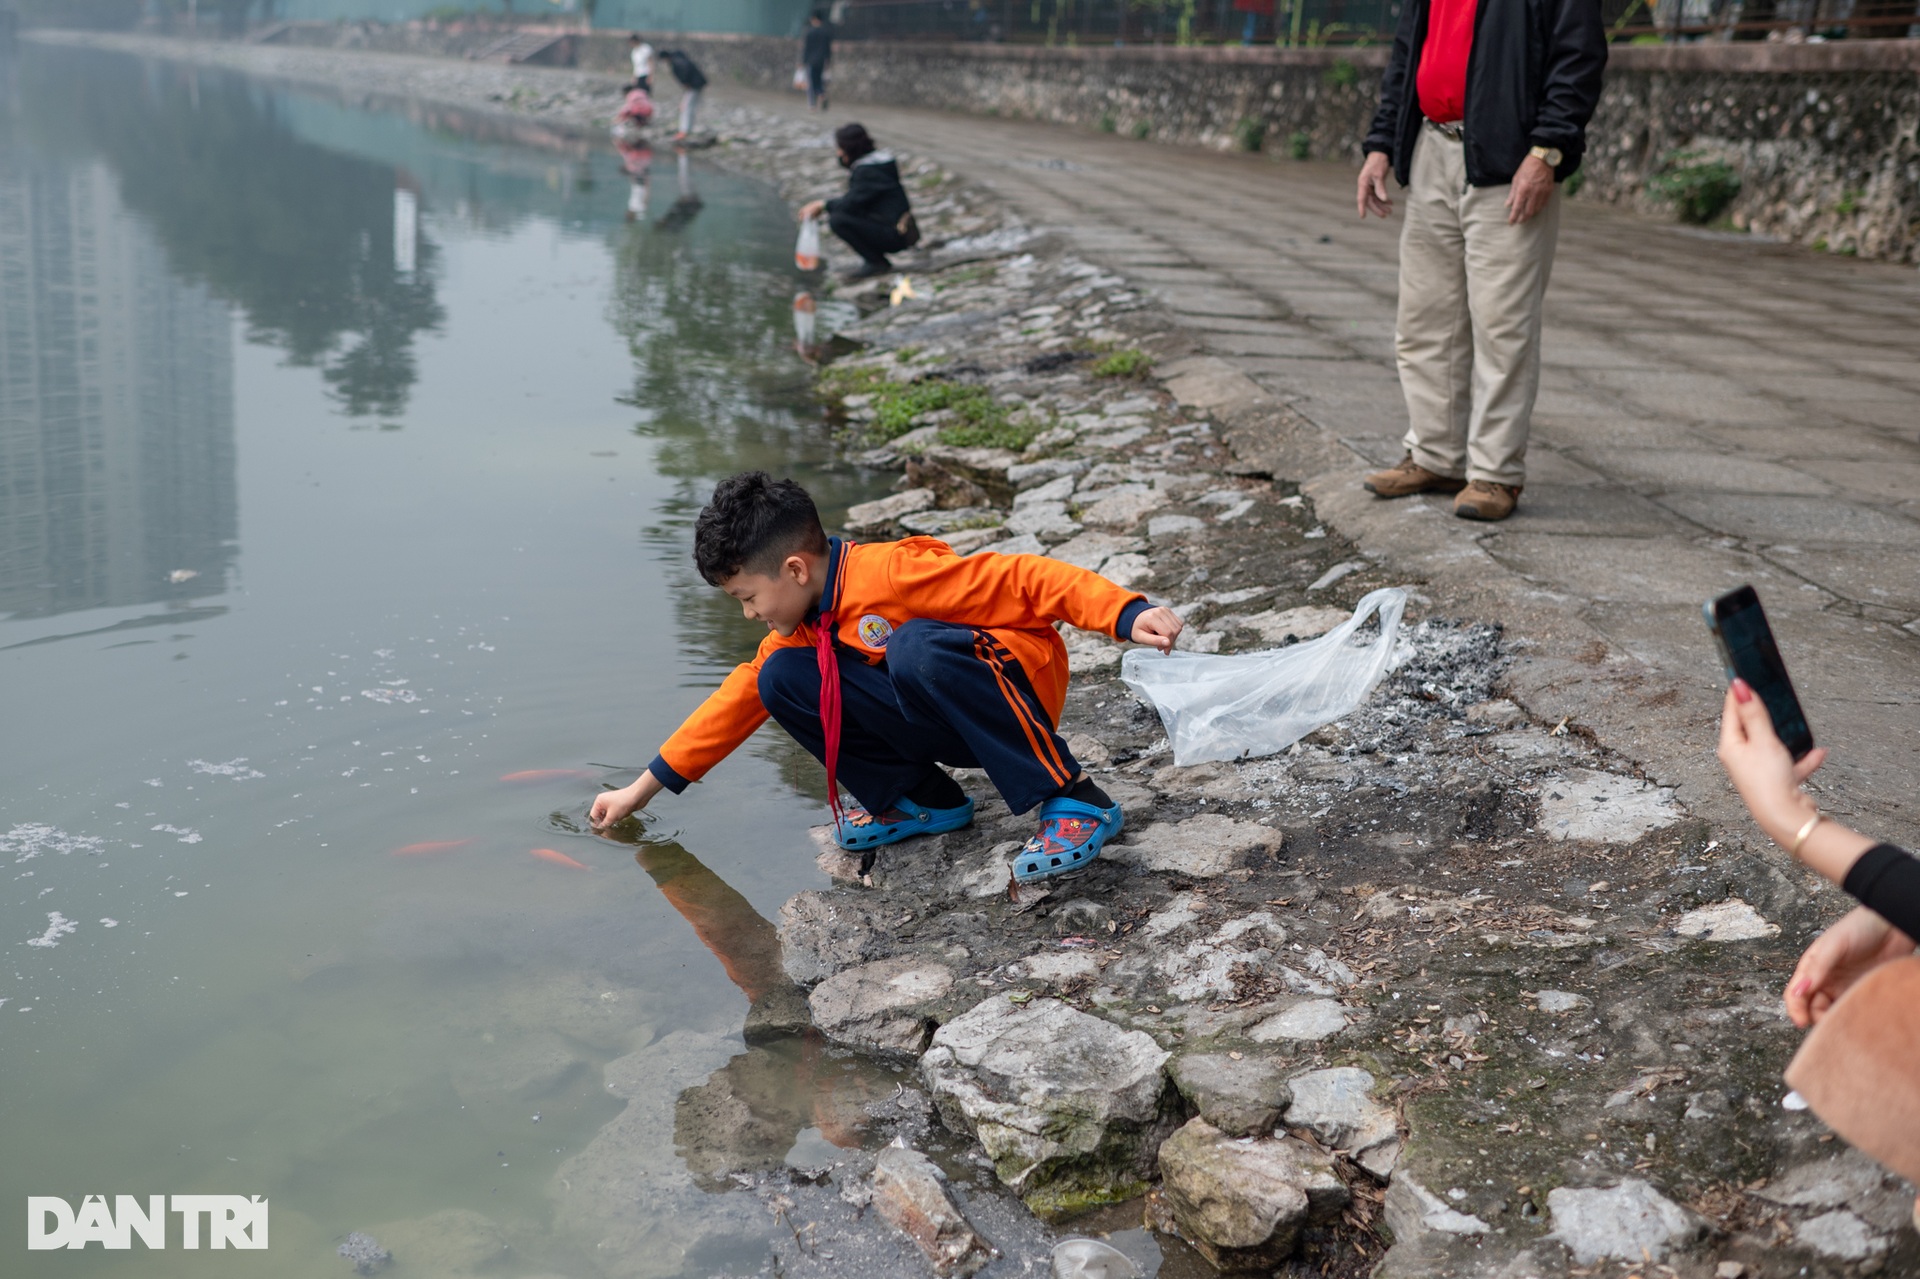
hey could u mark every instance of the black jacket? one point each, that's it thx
(817, 48)
(684, 69)
(873, 191)
(1533, 79)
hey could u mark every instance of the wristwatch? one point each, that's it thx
(1550, 154)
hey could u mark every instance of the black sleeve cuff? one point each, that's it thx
(668, 778)
(1886, 880)
(1123, 626)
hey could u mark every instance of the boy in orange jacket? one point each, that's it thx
(887, 660)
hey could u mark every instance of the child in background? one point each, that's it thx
(888, 660)
(642, 55)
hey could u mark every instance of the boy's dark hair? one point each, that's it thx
(752, 523)
(634, 38)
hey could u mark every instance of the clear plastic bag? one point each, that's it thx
(806, 250)
(1091, 1259)
(1243, 705)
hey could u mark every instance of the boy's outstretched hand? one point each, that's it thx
(1158, 627)
(618, 805)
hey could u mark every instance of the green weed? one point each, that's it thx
(1128, 364)
(1699, 189)
(1250, 134)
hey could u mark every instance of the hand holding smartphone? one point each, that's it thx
(1748, 651)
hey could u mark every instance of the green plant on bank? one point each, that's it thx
(1141, 130)
(1106, 123)
(1571, 187)
(1300, 144)
(979, 420)
(1129, 363)
(1341, 75)
(1700, 189)
(1250, 134)
(1849, 202)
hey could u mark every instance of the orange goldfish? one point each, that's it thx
(558, 858)
(431, 846)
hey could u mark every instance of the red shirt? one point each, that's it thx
(1442, 81)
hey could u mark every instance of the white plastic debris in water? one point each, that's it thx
(1244, 705)
(235, 768)
(58, 926)
(180, 575)
(29, 840)
(1091, 1259)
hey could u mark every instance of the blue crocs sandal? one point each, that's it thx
(1071, 835)
(859, 829)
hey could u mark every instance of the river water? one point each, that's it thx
(348, 459)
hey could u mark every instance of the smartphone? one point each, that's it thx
(1749, 653)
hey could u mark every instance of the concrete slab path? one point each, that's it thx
(1713, 410)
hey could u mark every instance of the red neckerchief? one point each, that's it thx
(830, 691)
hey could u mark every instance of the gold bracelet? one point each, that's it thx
(1805, 831)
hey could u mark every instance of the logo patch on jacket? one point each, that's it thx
(875, 630)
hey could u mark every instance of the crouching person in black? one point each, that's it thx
(874, 217)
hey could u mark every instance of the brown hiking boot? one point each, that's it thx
(1485, 500)
(1410, 477)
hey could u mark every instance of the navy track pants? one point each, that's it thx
(945, 694)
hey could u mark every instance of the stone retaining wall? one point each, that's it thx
(1825, 139)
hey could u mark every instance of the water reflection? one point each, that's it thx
(116, 422)
(304, 240)
(748, 1115)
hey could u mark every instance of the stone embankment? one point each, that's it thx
(1439, 991)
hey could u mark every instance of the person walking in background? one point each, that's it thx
(816, 51)
(692, 81)
(642, 54)
(874, 218)
(1481, 154)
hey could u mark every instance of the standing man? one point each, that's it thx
(816, 51)
(642, 54)
(1483, 108)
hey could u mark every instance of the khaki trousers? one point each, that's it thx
(1467, 336)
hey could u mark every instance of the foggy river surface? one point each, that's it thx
(348, 459)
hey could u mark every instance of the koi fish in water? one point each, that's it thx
(545, 774)
(558, 858)
(431, 846)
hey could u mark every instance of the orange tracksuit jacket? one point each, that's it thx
(872, 590)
